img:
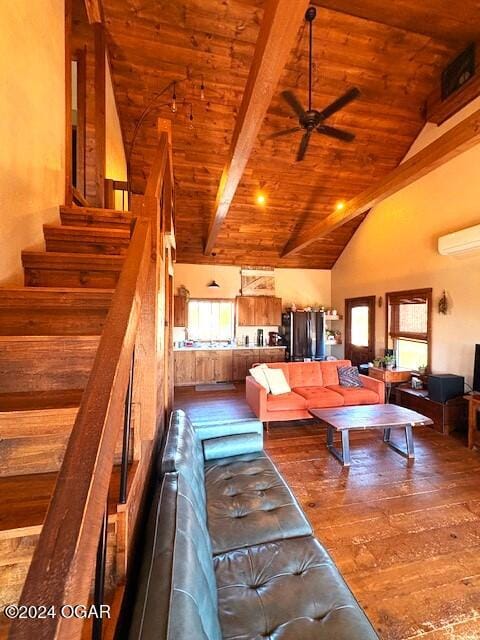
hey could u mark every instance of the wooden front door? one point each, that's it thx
(360, 329)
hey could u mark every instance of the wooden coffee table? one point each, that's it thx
(374, 416)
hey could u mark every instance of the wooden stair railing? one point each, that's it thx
(64, 562)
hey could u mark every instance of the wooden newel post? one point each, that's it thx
(145, 386)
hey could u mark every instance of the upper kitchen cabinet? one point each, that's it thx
(180, 306)
(246, 311)
(259, 311)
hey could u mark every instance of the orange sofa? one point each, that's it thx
(314, 385)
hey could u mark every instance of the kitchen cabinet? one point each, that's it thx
(180, 306)
(259, 311)
(246, 311)
(205, 366)
(213, 366)
(223, 366)
(220, 365)
(272, 355)
(184, 367)
(243, 360)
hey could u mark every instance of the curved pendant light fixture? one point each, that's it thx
(213, 284)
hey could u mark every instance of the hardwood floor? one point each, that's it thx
(405, 535)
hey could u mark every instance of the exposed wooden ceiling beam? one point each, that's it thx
(94, 11)
(460, 138)
(279, 27)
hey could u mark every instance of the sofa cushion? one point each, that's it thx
(305, 374)
(259, 375)
(349, 377)
(286, 402)
(176, 595)
(317, 397)
(352, 396)
(234, 445)
(286, 589)
(277, 381)
(284, 366)
(182, 446)
(248, 503)
(330, 370)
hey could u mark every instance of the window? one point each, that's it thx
(359, 326)
(409, 327)
(210, 320)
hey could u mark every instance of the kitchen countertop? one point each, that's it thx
(229, 348)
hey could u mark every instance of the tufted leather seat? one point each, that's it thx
(229, 554)
(248, 502)
(286, 589)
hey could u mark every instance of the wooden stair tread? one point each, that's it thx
(47, 362)
(86, 239)
(88, 216)
(79, 232)
(40, 400)
(25, 500)
(48, 297)
(73, 260)
(44, 311)
(96, 211)
(72, 269)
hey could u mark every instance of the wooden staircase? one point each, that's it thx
(49, 333)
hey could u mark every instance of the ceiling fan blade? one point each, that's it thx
(285, 132)
(303, 145)
(333, 132)
(292, 100)
(339, 103)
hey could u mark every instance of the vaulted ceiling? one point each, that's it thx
(393, 53)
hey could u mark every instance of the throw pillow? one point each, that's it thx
(258, 374)
(277, 381)
(349, 377)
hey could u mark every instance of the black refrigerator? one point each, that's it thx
(304, 335)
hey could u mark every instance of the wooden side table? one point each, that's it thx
(447, 416)
(473, 408)
(390, 377)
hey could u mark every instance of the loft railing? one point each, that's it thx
(70, 555)
(117, 195)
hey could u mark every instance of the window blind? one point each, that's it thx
(409, 314)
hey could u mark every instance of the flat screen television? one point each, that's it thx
(476, 369)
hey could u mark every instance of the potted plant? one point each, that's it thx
(389, 362)
(377, 362)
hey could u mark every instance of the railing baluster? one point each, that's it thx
(126, 435)
(99, 589)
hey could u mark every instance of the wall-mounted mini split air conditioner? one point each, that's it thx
(460, 241)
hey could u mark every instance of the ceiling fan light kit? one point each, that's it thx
(311, 120)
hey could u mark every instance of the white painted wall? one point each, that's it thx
(396, 248)
(302, 286)
(32, 126)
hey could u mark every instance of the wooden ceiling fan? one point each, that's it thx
(311, 120)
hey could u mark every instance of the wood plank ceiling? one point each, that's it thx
(393, 55)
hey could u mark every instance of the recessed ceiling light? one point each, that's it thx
(261, 199)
